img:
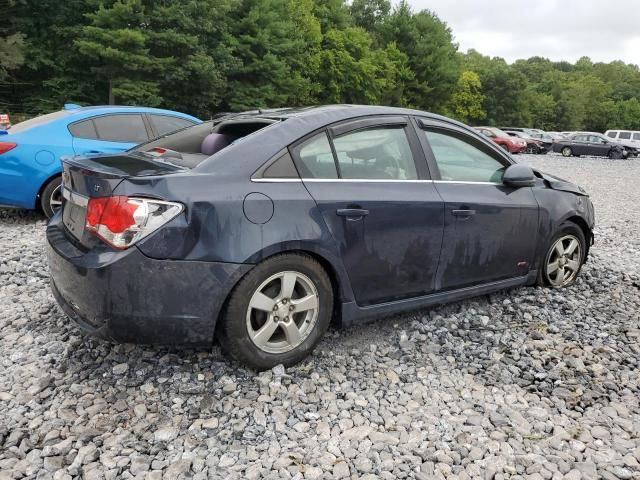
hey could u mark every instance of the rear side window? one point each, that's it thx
(460, 161)
(126, 128)
(625, 135)
(377, 154)
(636, 136)
(164, 124)
(84, 129)
(611, 134)
(316, 158)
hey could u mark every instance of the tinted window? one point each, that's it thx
(636, 136)
(624, 135)
(316, 159)
(461, 161)
(121, 128)
(612, 134)
(84, 129)
(166, 124)
(376, 153)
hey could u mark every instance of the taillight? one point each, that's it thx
(122, 221)
(6, 146)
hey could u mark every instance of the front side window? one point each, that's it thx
(594, 139)
(376, 154)
(460, 161)
(316, 158)
(611, 134)
(126, 128)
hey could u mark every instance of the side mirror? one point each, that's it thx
(519, 175)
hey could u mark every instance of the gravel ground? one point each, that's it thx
(527, 384)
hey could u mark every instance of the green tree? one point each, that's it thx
(428, 44)
(467, 99)
(115, 45)
(370, 14)
(274, 42)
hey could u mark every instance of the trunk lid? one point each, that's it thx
(84, 178)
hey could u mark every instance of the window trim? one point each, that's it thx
(476, 140)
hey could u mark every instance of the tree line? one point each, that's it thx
(210, 56)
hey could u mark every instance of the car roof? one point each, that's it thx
(106, 109)
(297, 123)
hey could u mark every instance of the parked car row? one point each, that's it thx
(30, 151)
(616, 144)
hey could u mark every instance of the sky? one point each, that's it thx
(556, 29)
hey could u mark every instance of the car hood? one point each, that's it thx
(563, 185)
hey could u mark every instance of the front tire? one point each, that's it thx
(278, 312)
(51, 197)
(567, 152)
(564, 258)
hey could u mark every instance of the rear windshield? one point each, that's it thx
(34, 122)
(192, 145)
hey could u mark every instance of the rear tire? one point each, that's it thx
(564, 257)
(51, 197)
(567, 152)
(615, 154)
(266, 321)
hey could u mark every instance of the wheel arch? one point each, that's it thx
(339, 281)
(584, 226)
(36, 200)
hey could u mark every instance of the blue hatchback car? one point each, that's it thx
(30, 151)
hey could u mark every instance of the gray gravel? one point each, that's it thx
(527, 384)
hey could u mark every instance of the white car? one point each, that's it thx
(625, 136)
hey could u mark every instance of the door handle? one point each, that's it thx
(352, 212)
(463, 213)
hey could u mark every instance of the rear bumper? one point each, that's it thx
(125, 296)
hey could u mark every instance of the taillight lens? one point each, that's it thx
(122, 221)
(6, 146)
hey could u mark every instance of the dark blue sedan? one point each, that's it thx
(260, 228)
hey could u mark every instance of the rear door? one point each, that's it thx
(109, 133)
(490, 229)
(597, 146)
(370, 182)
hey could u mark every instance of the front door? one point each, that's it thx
(490, 229)
(370, 183)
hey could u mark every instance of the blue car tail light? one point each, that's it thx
(6, 146)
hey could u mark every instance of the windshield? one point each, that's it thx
(34, 122)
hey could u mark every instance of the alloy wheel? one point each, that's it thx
(563, 261)
(566, 151)
(55, 199)
(282, 312)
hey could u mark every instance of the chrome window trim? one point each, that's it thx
(362, 180)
